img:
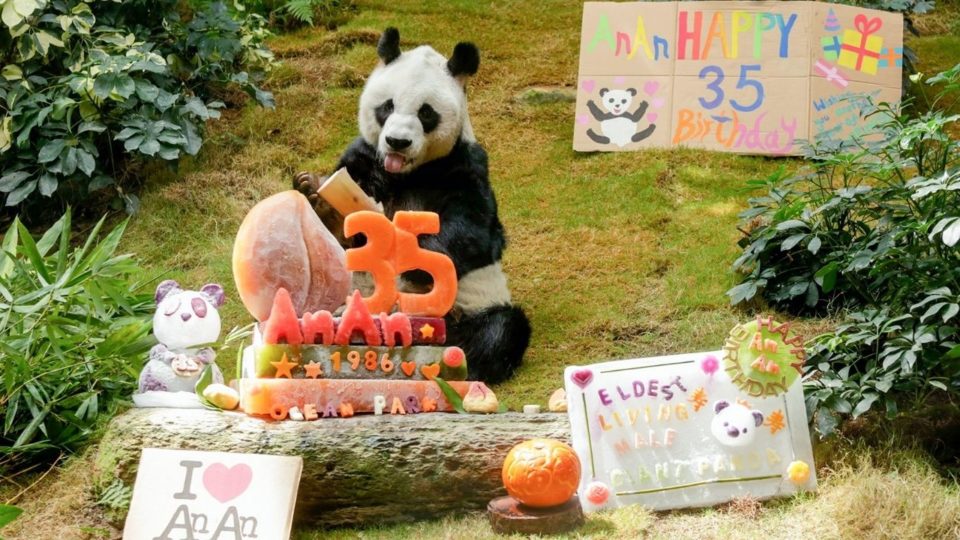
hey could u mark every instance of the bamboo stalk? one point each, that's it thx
(345, 195)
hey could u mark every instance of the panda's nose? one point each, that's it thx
(185, 316)
(398, 144)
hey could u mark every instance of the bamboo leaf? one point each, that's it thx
(8, 514)
(453, 398)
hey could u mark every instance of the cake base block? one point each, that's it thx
(508, 516)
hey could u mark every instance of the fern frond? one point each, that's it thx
(302, 10)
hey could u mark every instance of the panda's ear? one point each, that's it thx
(603, 91)
(465, 60)
(633, 91)
(388, 49)
(165, 287)
(214, 293)
(719, 406)
(757, 417)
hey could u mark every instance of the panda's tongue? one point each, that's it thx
(393, 162)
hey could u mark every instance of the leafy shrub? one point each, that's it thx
(85, 86)
(873, 229)
(73, 335)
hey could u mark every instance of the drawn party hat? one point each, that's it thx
(831, 24)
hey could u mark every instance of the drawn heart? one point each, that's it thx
(618, 79)
(657, 102)
(582, 377)
(408, 368)
(650, 87)
(651, 117)
(430, 371)
(583, 119)
(588, 85)
(227, 483)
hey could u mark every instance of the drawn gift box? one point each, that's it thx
(831, 47)
(859, 49)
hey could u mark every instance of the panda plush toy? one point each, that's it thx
(417, 151)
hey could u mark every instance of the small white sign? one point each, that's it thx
(686, 431)
(190, 495)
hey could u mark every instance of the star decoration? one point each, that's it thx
(283, 367)
(426, 331)
(313, 370)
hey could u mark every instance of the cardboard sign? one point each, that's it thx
(745, 77)
(692, 430)
(182, 494)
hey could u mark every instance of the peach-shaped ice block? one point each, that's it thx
(282, 243)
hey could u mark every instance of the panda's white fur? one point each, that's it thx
(422, 73)
(417, 151)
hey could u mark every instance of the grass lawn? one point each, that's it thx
(613, 255)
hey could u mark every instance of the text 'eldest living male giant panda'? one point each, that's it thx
(417, 151)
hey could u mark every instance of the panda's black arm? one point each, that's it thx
(360, 159)
(641, 110)
(467, 236)
(597, 113)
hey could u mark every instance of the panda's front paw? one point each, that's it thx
(308, 184)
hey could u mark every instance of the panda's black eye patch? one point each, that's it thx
(623, 101)
(383, 111)
(428, 118)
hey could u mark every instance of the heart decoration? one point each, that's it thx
(588, 85)
(226, 483)
(651, 87)
(581, 377)
(657, 102)
(651, 117)
(408, 368)
(583, 119)
(618, 79)
(430, 371)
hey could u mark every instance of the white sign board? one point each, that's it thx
(189, 495)
(689, 430)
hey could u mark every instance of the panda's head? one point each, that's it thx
(617, 101)
(734, 424)
(413, 108)
(186, 319)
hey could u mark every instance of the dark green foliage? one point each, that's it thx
(73, 336)
(874, 229)
(86, 86)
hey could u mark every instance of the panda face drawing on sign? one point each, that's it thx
(735, 425)
(618, 125)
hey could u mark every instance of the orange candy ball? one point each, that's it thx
(541, 472)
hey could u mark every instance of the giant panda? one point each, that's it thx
(417, 151)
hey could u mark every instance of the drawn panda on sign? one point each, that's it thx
(735, 425)
(417, 151)
(618, 125)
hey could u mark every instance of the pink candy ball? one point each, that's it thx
(597, 493)
(710, 364)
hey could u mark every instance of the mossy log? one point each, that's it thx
(360, 470)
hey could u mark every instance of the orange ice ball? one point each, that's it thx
(541, 472)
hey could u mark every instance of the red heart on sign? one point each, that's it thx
(227, 483)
